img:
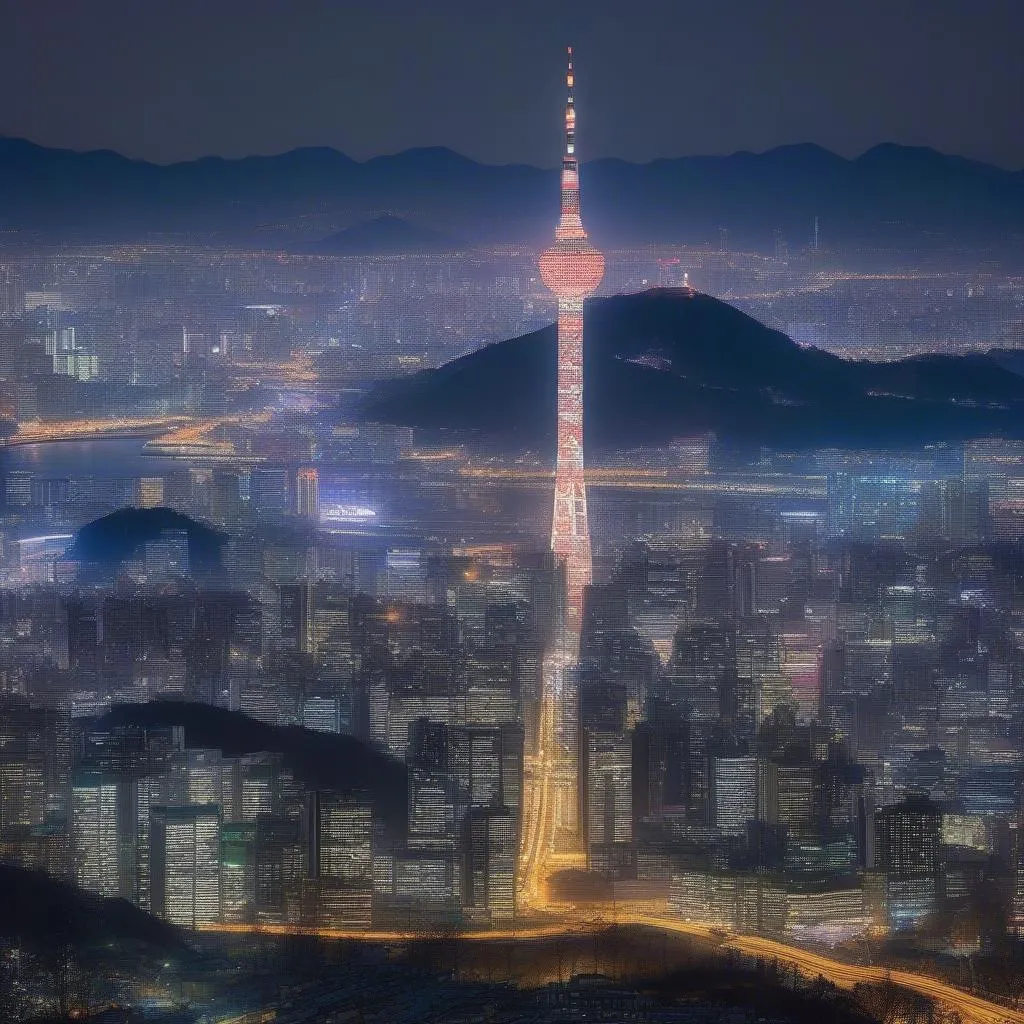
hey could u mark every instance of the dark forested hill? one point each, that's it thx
(668, 362)
(318, 759)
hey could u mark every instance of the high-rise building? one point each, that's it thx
(185, 854)
(908, 844)
(225, 497)
(268, 491)
(322, 712)
(22, 792)
(294, 612)
(340, 832)
(18, 488)
(661, 766)
(606, 782)
(793, 791)
(238, 872)
(840, 504)
(490, 859)
(491, 765)
(94, 833)
(572, 268)
(734, 793)
(307, 494)
(432, 800)
(149, 491)
(280, 866)
(202, 773)
(908, 838)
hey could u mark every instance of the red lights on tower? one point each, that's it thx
(572, 269)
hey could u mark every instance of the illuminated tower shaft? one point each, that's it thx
(572, 268)
(570, 527)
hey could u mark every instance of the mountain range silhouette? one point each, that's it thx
(889, 195)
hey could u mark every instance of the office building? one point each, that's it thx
(185, 859)
(307, 494)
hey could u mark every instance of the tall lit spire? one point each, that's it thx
(572, 268)
(570, 112)
(570, 225)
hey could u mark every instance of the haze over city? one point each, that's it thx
(510, 512)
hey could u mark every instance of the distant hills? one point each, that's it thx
(891, 195)
(46, 913)
(667, 363)
(122, 535)
(318, 759)
(380, 236)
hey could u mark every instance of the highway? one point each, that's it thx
(194, 435)
(520, 932)
(87, 429)
(972, 1009)
(539, 802)
(656, 480)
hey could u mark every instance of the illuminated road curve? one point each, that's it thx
(654, 480)
(87, 429)
(196, 433)
(972, 1009)
(539, 931)
(538, 810)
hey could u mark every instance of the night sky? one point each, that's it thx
(169, 80)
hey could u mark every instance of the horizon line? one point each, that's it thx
(217, 158)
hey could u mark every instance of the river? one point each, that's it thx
(102, 458)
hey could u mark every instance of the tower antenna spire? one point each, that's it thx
(570, 108)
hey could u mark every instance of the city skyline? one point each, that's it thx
(407, 614)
